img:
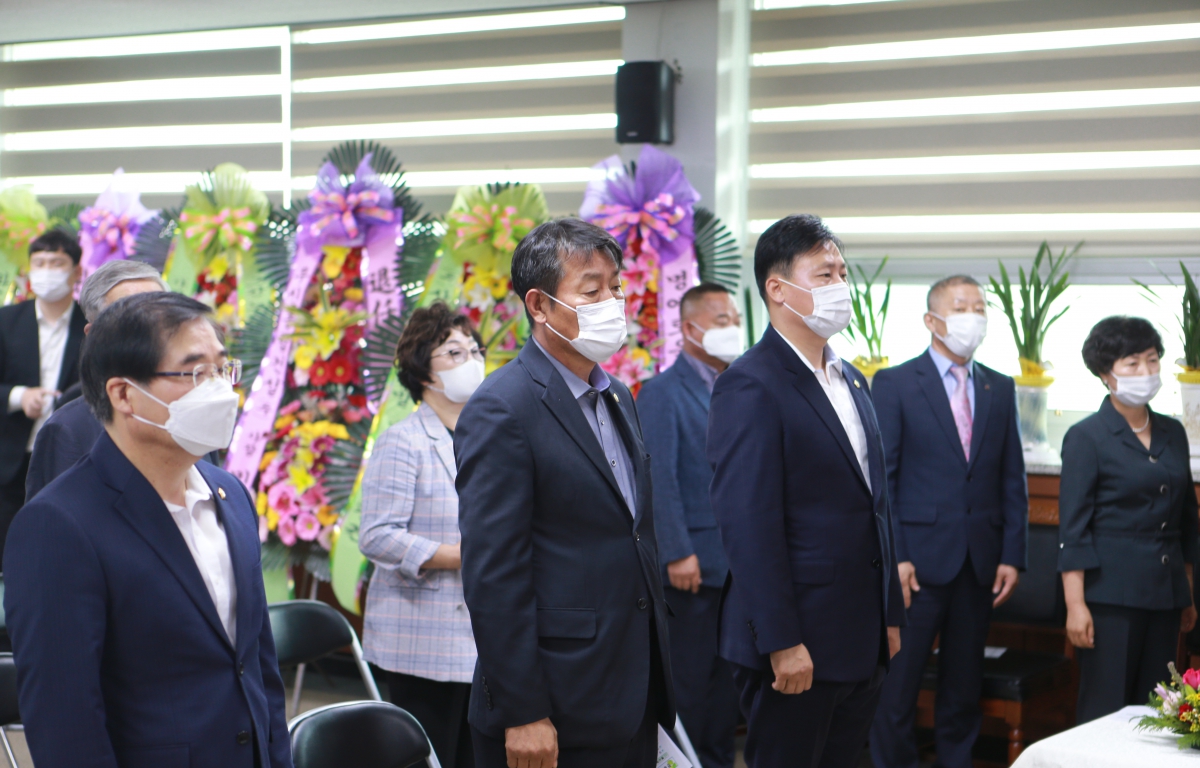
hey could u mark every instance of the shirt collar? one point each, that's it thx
(197, 491)
(830, 357)
(597, 380)
(943, 363)
(63, 319)
(706, 371)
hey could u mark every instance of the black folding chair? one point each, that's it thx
(308, 630)
(10, 717)
(363, 734)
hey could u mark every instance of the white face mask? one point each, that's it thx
(1136, 390)
(50, 284)
(602, 329)
(461, 381)
(831, 308)
(726, 344)
(201, 421)
(964, 332)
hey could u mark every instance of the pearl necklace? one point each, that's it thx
(1139, 430)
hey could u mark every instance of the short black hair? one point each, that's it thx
(538, 260)
(693, 295)
(129, 339)
(1116, 337)
(57, 240)
(426, 330)
(785, 241)
(948, 282)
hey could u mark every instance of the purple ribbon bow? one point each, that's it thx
(108, 229)
(340, 214)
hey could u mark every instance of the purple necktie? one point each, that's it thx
(960, 406)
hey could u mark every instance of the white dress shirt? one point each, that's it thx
(205, 537)
(837, 389)
(52, 344)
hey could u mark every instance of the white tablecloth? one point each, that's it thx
(1110, 742)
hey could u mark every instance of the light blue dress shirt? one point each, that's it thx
(943, 364)
(592, 397)
(707, 373)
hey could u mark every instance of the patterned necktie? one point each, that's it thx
(960, 405)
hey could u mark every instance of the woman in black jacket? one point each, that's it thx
(1127, 525)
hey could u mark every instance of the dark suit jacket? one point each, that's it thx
(20, 365)
(809, 544)
(66, 437)
(945, 506)
(673, 407)
(1127, 515)
(561, 581)
(121, 657)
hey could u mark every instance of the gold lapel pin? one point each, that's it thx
(220, 491)
(857, 385)
(616, 398)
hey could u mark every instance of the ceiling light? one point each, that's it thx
(388, 80)
(1005, 103)
(141, 45)
(174, 89)
(469, 127)
(770, 5)
(457, 25)
(976, 46)
(1001, 222)
(954, 165)
(143, 183)
(144, 136)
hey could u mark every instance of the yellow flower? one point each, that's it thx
(224, 314)
(326, 515)
(260, 504)
(268, 457)
(218, 268)
(305, 356)
(640, 355)
(335, 259)
(301, 478)
(272, 519)
(285, 421)
(354, 294)
(304, 457)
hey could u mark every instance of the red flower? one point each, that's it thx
(320, 372)
(1183, 708)
(358, 401)
(340, 370)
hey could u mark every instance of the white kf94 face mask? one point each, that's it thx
(50, 284)
(965, 331)
(726, 344)
(201, 421)
(602, 329)
(832, 308)
(461, 381)
(1137, 390)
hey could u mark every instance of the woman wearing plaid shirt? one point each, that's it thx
(416, 626)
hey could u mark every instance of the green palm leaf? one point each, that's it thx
(66, 217)
(347, 155)
(422, 239)
(153, 244)
(249, 343)
(717, 252)
(342, 463)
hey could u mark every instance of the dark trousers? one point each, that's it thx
(441, 709)
(1132, 649)
(824, 727)
(704, 694)
(960, 613)
(12, 498)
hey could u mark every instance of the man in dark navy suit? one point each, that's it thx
(134, 594)
(559, 563)
(673, 407)
(813, 606)
(956, 476)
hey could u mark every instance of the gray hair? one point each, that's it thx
(108, 276)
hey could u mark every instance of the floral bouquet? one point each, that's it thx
(109, 228)
(1176, 707)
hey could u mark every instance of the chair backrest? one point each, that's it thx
(363, 734)
(1038, 599)
(9, 713)
(307, 630)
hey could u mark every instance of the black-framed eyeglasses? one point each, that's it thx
(458, 355)
(231, 371)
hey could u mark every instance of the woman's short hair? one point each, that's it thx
(426, 330)
(1116, 337)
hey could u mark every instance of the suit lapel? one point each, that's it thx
(635, 449)
(30, 359)
(442, 443)
(983, 402)
(241, 559)
(70, 358)
(866, 414)
(935, 392)
(692, 383)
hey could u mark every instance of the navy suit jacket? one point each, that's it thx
(562, 582)
(673, 407)
(809, 543)
(121, 657)
(945, 506)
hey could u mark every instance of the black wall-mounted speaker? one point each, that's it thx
(645, 103)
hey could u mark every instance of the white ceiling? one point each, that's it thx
(23, 20)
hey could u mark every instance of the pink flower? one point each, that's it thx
(314, 497)
(291, 407)
(263, 531)
(326, 538)
(307, 527)
(1192, 678)
(282, 498)
(638, 273)
(286, 531)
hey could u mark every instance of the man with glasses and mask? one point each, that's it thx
(39, 351)
(674, 410)
(134, 594)
(956, 479)
(812, 609)
(559, 562)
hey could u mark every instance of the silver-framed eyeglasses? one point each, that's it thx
(231, 371)
(458, 355)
